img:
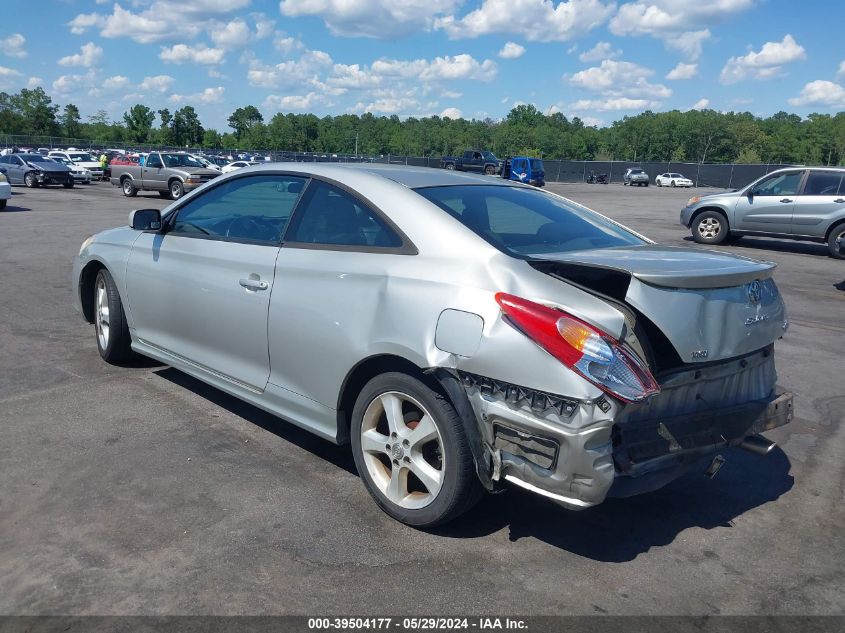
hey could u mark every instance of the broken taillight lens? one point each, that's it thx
(593, 354)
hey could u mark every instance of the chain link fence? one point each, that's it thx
(724, 176)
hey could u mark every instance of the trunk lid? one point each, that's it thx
(709, 305)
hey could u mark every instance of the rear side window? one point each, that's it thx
(329, 215)
(822, 183)
(524, 221)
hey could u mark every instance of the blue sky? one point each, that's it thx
(597, 59)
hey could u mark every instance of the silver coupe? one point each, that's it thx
(461, 333)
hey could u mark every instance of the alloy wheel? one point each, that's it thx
(403, 450)
(101, 322)
(709, 228)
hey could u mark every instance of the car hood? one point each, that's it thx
(49, 166)
(198, 171)
(710, 305)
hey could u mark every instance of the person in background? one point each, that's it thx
(104, 163)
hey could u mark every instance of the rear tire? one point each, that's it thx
(836, 241)
(411, 451)
(112, 332)
(710, 227)
(672, 184)
(3, 204)
(128, 187)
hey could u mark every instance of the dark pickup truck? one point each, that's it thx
(473, 160)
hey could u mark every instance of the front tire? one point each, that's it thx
(710, 227)
(450, 166)
(836, 242)
(30, 181)
(113, 340)
(489, 170)
(411, 451)
(177, 190)
(3, 204)
(68, 185)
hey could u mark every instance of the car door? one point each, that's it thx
(820, 200)
(201, 290)
(153, 174)
(766, 206)
(332, 291)
(17, 170)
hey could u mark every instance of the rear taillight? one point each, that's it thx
(595, 355)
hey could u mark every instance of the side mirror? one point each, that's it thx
(145, 219)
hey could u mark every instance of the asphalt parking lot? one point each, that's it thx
(139, 490)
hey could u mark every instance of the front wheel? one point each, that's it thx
(113, 340)
(68, 184)
(450, 166)
(411, 451)
(2, 204)
(177, 190)
(710, 227)
(836, 242)
(30, 181)
(489, 170)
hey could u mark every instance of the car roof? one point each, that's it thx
(419, 177)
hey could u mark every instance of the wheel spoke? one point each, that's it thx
(393, 412)
(425, 431)
(430, 477)
(374, 442)
(397, 487)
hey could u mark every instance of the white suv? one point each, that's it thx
(81, 158)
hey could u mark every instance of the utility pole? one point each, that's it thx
(356, 144)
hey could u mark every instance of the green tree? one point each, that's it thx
(70, 120)
(186, 127)
(38, 114)
(139, 123)
(244, 119)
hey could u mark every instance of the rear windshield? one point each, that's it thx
(637, 171)
(523, 221)
(81, 157)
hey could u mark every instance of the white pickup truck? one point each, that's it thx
(170, 173)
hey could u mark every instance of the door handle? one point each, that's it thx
(254, 284)
(839, 200)
(786, 200)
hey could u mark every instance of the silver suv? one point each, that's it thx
(635, 176)
(793, 203)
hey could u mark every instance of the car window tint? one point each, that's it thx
(4, 159)
(254, 208)
(153, 161)
(822, 183)
(330, 215)
(522, 221)
(780, 185)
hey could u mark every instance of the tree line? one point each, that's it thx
(691, 136)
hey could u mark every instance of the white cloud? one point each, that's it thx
(820, 93)
(87, 56)
(701, 104)
(599, 52)
(8, 77)
(535, 20)
(34, 82)
(234, 34)
(370, 18)
(13, 46)
(660, 17)
(614, 103)
(287, 45)
(158, 83)
(65, 84)
(689, 43)
(683, 71)
(118, 82)
(287, 103)
(765, 64)
(184, 53)
(389, 105)
(209, 95)
(841, 71)
(296, 72)
(440, 68)
(620, 79)
(452, 113)
(511, 50)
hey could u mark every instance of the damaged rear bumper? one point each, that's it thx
(577, 453)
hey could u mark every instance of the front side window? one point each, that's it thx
(255, 208)
(822, 183)
(153, 160)
(180, 160)
(779, 185)
(329, 215)
(526, 221)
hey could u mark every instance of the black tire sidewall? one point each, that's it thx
(837, 230)
(723, 228)
(181, 190)
(457, 471)
(128, 188)
(117, 348)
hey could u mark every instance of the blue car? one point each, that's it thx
(524, 169)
